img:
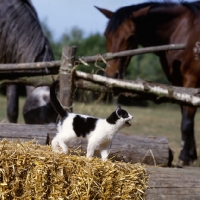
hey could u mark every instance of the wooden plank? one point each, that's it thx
(173, 197)
(173, 183)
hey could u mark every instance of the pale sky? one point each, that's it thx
(63, 15)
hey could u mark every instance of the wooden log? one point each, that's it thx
(66, 77)
(173, 183)
(148, 150)
(27, 132)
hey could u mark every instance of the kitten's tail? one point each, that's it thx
(55, 102)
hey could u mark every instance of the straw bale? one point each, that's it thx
(32, 171)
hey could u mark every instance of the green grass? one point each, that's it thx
(158, 120)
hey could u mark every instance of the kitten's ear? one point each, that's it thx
(118, 111)
(118, 107)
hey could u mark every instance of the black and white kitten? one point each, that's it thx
(98, 132)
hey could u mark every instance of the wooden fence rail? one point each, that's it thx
(159, 93)
(22, 67)
(140, 89)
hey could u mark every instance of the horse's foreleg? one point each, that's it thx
(188, 152)
(12, 103)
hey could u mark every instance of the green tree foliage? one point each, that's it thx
(146, 67)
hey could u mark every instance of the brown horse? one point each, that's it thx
(152, 24)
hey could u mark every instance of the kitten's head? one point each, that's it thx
(120, 117)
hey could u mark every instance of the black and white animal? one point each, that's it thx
(98, 132)
(22, 40)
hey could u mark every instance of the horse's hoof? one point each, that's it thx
(182, 163)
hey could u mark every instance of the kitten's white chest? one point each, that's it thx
(103, 132)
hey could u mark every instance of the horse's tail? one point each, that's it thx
(55, 102)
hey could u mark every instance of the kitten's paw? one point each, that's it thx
(56, 150)
(90, 158)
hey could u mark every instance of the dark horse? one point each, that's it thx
(22, 40)
(152, 24)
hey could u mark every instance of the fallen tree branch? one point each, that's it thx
(158, 92)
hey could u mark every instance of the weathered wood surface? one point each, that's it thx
(173, 183)
(66, 77)
(149, 150)
(27, 132)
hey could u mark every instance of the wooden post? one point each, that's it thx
(66, 75)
